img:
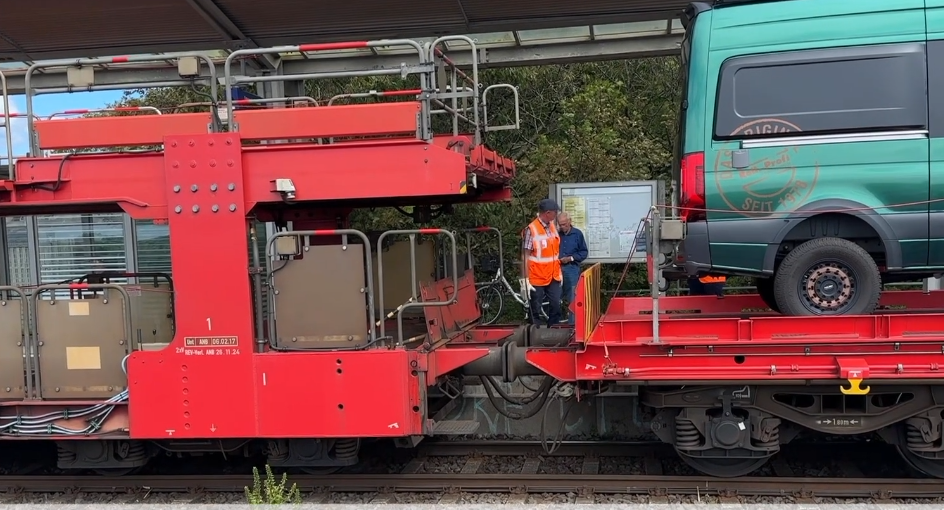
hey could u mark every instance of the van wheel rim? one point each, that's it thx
(828, 287)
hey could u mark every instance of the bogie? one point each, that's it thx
(733, 431)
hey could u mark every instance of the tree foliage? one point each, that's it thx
(579, 123)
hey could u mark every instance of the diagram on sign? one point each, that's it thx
(608, 234)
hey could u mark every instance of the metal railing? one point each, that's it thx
(415, 302)
(73, 63)
(442, 83)
(343, 233)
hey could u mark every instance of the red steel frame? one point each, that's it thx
(706, 339)
(205, 186)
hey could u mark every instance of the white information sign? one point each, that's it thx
(609, 215)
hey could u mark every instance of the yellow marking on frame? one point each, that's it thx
(591, 298)
(78, 308)
(463, 188)
(83, 358)
(854, 388)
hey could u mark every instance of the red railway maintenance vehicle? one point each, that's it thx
(301, 363)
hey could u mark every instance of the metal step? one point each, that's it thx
(455, 427)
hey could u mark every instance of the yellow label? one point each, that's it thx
(576, 207)
(83, 358)
(78, 308)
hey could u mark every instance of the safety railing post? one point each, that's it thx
(231, 81)
(501, 254)
(295, 100)
(416, 304)
(514, 91)
(118, 109)
(26, 326)
(28, 89)
(454, 87)
(456, 114)
(257, 288)
(7, 126)
(37, 295)
(654, 253)
(474, 79)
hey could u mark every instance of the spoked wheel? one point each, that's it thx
(827, 276)
(491, 303)
(765, 288)
(724, 467)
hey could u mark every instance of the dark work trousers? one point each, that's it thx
(697, 288)
(571, 276)
(552, 292)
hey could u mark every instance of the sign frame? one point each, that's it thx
(657, 191)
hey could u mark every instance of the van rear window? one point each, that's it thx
(824, 91)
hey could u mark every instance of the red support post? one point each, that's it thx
(188, 389)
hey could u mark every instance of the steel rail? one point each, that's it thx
(633, 448)
(876, 488)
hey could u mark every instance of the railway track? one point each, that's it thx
(446, 472)
(521, 484)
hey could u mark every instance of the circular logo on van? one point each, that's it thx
(771, 182)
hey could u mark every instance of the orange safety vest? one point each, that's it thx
(713, 279)
(543, 262)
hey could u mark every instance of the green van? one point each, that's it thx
(811, 147)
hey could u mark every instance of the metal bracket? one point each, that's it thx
(285, 187)
(740, 158)
(451, 95)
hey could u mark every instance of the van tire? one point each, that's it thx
(765, 288)
(827, 276)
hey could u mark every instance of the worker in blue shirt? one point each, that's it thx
(573, 251)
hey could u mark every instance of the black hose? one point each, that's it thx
(489, 384)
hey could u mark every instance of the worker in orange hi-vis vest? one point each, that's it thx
(541, 269)
(706, 285)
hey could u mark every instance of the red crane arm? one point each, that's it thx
(366, 168)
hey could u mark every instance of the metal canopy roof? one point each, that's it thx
(45, 29)
(542, 46)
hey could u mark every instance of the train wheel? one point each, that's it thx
(117, 471)
(930, 467)
(933, 467)
(724, 467)
(319, 471)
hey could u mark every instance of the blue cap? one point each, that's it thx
(548, 205)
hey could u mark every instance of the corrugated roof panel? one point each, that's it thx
(82, 27)
(301, 21)
(483, 11)
(6, 47)
(85, 28)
